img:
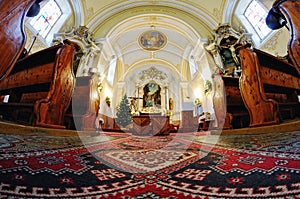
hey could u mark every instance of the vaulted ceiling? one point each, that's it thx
(202, 15)
(185, 23)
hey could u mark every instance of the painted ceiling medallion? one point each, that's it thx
(152, 40)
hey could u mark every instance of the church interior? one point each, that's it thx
(149, 99)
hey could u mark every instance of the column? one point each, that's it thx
(138, 97)
(167, 98)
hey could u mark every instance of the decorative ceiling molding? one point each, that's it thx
(143, 21)
(174, 70)
(123, 38)
(273, 42)
(176, 9)
(217, 13)
(89, 11)
(228, 11)
(79, 12)
(80, 34)
(152, 74)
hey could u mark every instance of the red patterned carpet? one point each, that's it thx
(182, 165)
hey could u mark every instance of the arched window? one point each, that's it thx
(49, 20)
(253, 16)
(193, 66)
(111, 70)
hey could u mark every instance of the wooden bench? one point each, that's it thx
(237, 113)
(269, 87)
(83, 109)
(40, 87)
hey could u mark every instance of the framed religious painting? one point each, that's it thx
(151, 95)
(152, 40)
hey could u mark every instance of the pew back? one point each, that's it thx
(30, 75)
(281, 82)
(40, 87)
(269, 87)
(236, 108)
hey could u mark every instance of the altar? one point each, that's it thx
(150, 124)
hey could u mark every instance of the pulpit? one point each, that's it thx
(151, 124)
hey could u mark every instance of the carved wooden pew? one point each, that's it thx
(269, 87)
(237, 113)
(230, 109)
(12, 35)
(40, 87)
(83, 109)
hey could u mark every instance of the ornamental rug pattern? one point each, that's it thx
(182, 165)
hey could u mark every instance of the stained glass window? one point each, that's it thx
(256, 16)
(47, 17)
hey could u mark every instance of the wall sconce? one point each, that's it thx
(197, 101)
(93, 70)
(99, 87)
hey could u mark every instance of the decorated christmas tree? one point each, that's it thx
(123, 112)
